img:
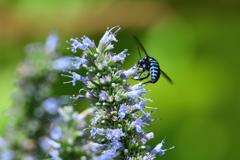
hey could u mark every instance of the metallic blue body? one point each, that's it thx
(150, 65)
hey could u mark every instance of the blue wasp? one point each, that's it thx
(150, 65)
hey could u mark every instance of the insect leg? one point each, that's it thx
(140, 79)
(148, 82)
(139, 75)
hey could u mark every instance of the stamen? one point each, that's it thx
(114, 28)
(67, 82)
(116, 32)
(66, 76)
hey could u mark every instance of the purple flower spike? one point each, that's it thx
(116, 124)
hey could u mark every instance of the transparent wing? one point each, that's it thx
(164, 74)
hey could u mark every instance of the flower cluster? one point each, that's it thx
(116, 126)
(67, 137)
(45, 130)
(33, 101)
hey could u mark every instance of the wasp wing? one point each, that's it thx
(164, 74)
(139, 43)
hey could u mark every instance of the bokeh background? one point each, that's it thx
(195, 42)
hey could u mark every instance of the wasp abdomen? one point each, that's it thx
(154, 70)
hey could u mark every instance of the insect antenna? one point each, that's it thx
(139, 53)
(140, 45)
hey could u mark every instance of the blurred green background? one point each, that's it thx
(195, 42)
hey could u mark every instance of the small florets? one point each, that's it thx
(116, 123)
(75, 77)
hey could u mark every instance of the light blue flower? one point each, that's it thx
(7, 155)
(108, 37)
(86, 41)
(158, 149)
(120, 57)
(105, 156)
(56, 133)
(75, 77)
(138, 125)
(139, 106)
(51, 105)
(79, 61)
(147, 137)
(117, 134)
(131, 71)
(62, 63)
(93, 132)
(136, 94)
(52, 42)
(123, 111)
(50, 146)
(77, 44)
(115, 146)
(103, 96)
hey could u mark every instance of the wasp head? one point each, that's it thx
(141, 64)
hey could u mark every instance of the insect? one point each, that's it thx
(150, 65)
